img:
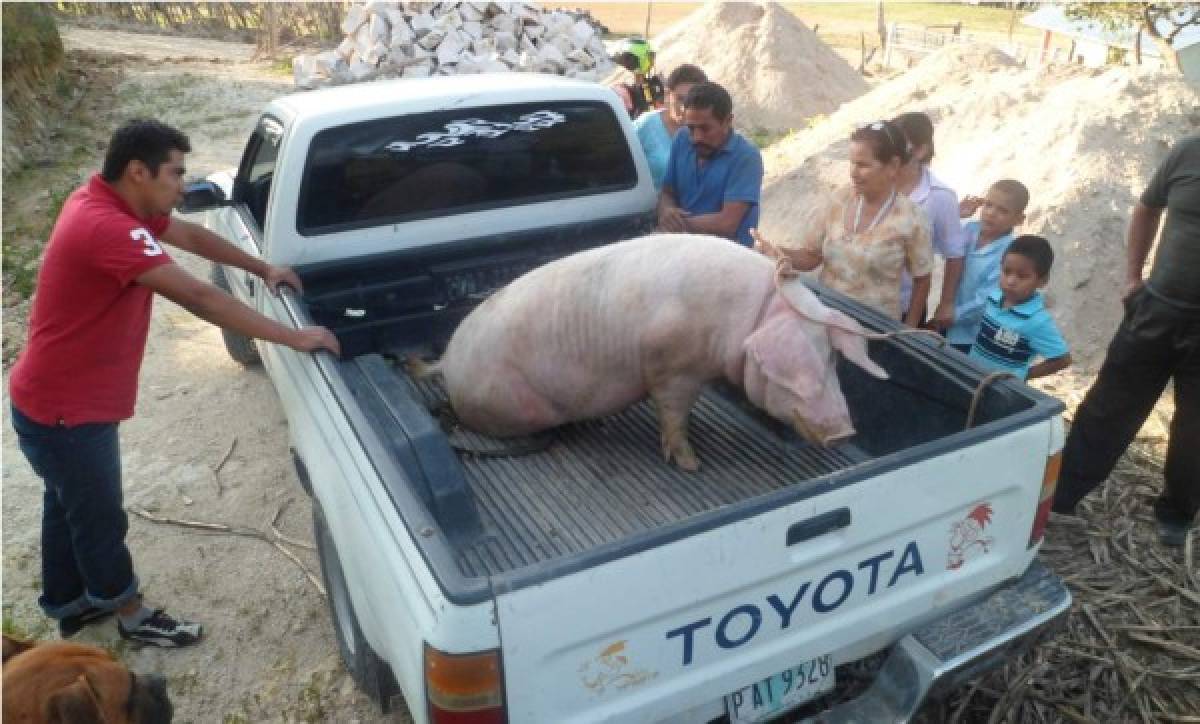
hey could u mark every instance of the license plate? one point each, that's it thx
(776, 694)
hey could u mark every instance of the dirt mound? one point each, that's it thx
(1084, 141)
(777, 70)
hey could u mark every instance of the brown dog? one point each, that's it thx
(66, 683)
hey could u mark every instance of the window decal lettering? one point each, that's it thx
(457, 132)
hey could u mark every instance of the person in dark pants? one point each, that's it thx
(1158, 340)
(76, 378)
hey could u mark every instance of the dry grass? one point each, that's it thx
(1130, 651)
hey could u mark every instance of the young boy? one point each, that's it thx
(1016, 327)
(1001, 209)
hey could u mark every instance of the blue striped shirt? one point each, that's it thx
(1010, 339)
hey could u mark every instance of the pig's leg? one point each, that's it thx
(674, 368)
(673, 400)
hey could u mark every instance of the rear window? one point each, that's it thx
(431, 164)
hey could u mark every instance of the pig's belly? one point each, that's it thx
(518, 405)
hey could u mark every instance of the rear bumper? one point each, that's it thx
(959, 646)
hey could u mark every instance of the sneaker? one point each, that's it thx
(1173, 534)
(68, 626)
(159, 629)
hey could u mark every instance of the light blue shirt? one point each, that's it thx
(656, 143)
(733, 173)
(1010, 339)
(981, 274)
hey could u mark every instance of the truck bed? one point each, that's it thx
(588, 484)
(491, 513)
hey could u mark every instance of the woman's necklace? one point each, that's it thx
(887, 205)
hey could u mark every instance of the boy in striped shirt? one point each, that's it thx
(1017, 329)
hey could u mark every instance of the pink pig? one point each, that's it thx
(659, 316)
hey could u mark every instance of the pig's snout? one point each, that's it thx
(823, 435)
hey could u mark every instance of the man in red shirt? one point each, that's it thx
(76, 379)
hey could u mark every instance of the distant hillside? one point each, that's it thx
(33, 69)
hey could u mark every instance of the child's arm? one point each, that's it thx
(971, 312)
(968, 206)
(1049, 367)
(1047, 342)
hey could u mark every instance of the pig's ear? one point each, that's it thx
(787, 358)
(803, 301)
(853, 346)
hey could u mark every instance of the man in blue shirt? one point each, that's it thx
(714, 175)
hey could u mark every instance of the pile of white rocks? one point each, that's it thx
(419, 39)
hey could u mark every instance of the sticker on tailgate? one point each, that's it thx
(968, 537)
(612, 668)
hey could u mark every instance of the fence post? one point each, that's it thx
(887, 50)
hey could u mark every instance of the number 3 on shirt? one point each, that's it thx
(148, 240)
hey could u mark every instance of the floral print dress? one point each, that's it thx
(867, 265)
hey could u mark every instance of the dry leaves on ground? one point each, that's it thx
(1130, 651)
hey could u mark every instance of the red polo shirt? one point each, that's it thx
(90, 318)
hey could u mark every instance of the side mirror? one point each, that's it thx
(201, 196)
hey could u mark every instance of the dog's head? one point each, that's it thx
(67, 683)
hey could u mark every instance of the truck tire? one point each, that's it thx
(372, 675)
(240, 347)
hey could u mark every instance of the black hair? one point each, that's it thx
(712, 96)
(145, 140)
(686, 73)
(886, 140)
(918, 129)
(1035, 249)
(1016, 191)
(628, 61)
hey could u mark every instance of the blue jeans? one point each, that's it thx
(85, 563)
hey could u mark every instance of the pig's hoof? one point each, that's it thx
(686, 459)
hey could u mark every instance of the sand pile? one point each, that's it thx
(1085, 142)
(777, 70)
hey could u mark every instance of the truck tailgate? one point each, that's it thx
(843, 572)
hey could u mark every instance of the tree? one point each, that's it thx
(1161, 21)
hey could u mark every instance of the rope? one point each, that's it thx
(784, 270)
(979, 390)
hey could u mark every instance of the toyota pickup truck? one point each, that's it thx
(574, 576)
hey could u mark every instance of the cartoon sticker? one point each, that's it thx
(968, 537)
(612, 668)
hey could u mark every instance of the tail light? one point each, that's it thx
(464, 688)
(1046, 499)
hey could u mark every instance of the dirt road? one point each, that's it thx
(270, 655)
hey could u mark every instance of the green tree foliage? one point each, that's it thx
(1161, 21)
(30, 38)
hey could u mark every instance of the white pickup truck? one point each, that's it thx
(573, 576)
